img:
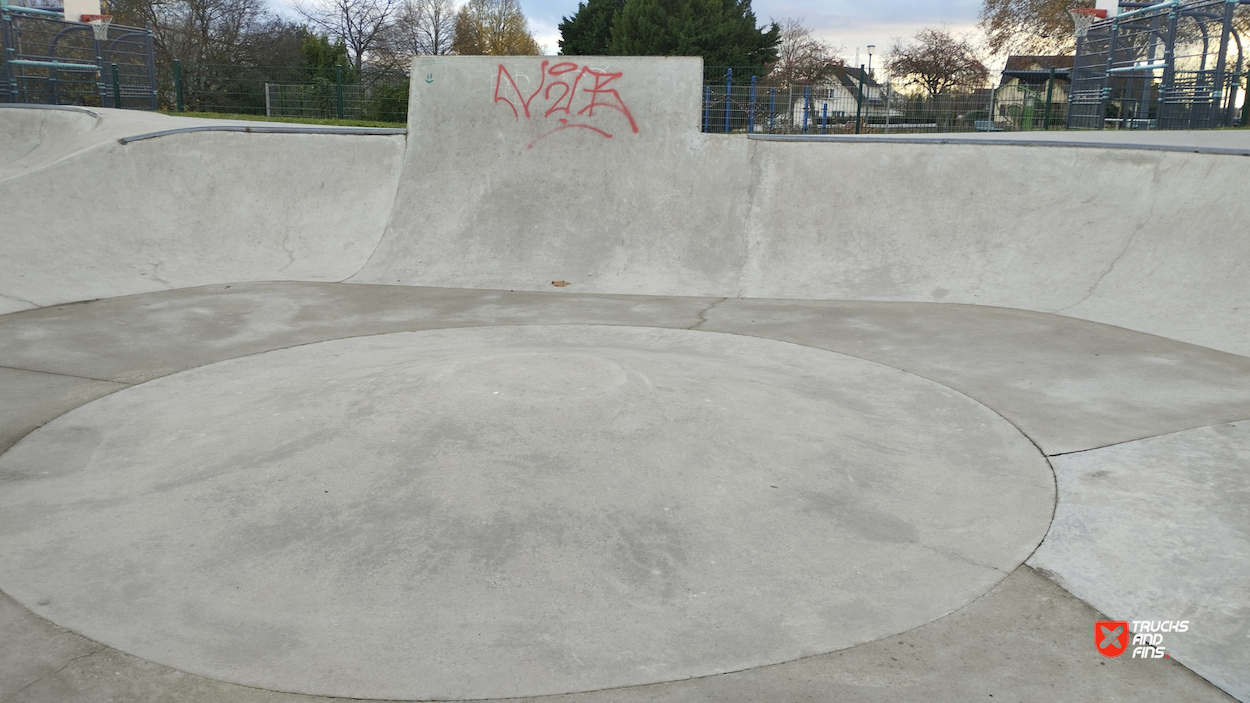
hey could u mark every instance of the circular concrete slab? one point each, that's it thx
(495, 512)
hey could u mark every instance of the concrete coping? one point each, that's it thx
(1222, 151)
(62, 108)
(361, 131)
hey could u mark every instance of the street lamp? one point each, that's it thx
(870, 49)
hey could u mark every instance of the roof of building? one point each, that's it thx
(1038, 63)
(850, 77)
(1036, 69)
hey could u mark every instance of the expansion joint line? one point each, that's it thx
(65, 666)
(1142, 439)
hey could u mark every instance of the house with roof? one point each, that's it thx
(835, 98)
(1033, 73)
(1026, 81)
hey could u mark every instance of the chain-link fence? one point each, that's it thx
(47, 60)
(286, 91)
(853, 101)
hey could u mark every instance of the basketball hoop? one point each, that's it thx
(99, 25)
(1084, 18)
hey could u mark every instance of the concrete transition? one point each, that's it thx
(553, 395)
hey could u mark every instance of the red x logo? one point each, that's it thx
(1111, 636)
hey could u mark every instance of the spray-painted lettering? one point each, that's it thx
(570, 90)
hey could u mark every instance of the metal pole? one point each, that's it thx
(790, 108)
(1235, 80)
(178, 104)
(859, 98)
(889, 93)
(117, 88)
(989, 118)
(729, 85)
(707, 103)
(152, 65)
(338, 88)
(824, 118)
(5, 7)
(1073, 78)
(751, 114)
(807, 105)
(10, 51)
(101, 75)
(1245, 106)
(1106, 74)
(1148, 80)
(1050, 93)
(1164, 119)
(268, 104)
(1221, 64)
(773, 105)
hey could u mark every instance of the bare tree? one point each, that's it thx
(801, 57)
(208, 31)
(1029, 26)
(936, 61)
(425, 27)
(362, 24)
(494, 28)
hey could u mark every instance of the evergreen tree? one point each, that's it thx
(322, 56)
(723, 32)
(588, 32)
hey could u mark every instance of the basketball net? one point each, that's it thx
(99, 25)
(1084, 18)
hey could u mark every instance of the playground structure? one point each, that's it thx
(1170, 65)
(74, 57)
(553, 394)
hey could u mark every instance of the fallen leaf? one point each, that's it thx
(559, 284)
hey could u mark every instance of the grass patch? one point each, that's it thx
(289, 120)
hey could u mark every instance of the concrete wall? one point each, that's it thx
(1148, 240)
(1144, 239)
(623, 197)
(193, 209)
(521, 171)
(33, 137)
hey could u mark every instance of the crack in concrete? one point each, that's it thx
(290, 253)
(20, 299)
(156, 267)
(962, 558)
(19, 691)
(1128, 243)
(703, 313)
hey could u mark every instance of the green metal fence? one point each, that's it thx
(851, 101)
(286, 91)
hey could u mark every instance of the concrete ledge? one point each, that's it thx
(359, 131)
(1067, 144)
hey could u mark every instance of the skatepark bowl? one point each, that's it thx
(551, 396)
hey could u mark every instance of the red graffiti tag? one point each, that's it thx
(565, 91)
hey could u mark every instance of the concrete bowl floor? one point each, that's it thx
(569, 508)
(226, 493)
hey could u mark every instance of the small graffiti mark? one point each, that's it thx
(567, 77)
(429, 78)
(564, 126)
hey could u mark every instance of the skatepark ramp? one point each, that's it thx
(1031, 354)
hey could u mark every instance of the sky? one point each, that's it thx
(849, 24)
(852, 24)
